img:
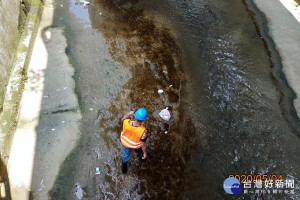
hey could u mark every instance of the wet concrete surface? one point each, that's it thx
(223, 99)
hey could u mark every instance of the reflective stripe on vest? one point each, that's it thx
(131, 136)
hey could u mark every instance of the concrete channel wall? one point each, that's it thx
(9, 37)
(13, 14)
(15, 52)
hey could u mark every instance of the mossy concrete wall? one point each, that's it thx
(15, 47)
(9, 38)
(15, 74)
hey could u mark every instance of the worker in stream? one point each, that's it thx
(134, 135)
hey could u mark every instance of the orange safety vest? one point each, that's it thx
(131, 136)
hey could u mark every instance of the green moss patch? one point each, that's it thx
(36, 2)
(22, 48)
(34, 17)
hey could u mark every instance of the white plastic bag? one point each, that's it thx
(165, 114)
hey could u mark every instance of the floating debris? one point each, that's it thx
(79, 192)
(259, 94)
(97, 152)
(84, 2)
(160, 91)
(42, 185)
(97, 170)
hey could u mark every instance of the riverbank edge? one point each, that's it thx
(9, 115)
(281, 70)
(49, 113)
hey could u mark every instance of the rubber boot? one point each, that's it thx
(124, 167)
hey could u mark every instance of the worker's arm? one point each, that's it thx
(127, 116)
(144, 144)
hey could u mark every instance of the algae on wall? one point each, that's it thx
(9, 38)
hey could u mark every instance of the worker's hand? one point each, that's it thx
(144, 156)
(127, 116)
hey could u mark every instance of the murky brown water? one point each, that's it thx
(149, 49)
(223, 99)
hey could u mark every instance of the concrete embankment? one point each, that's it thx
(9, 108)
(283, 22)
(9, 37)
(47, 121)
(282, 37)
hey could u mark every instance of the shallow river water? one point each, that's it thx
(215, 71)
